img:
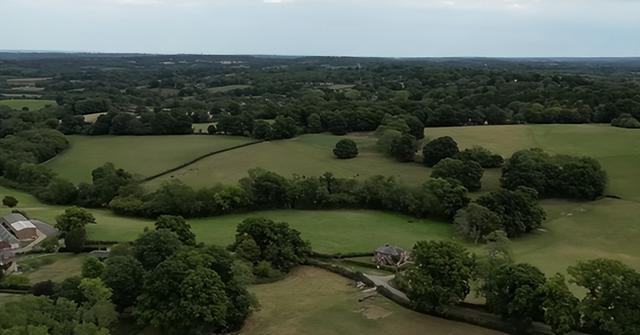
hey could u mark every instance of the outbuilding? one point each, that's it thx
(20, 226)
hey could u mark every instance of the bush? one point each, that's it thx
(9, 201)
(264, 270)
(43, 288)
(346, 149)
(439, 149)
(626, 121)
(403, 148)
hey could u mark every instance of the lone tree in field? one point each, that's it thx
(439, 149)
(346, 149)
(442, 275)
(10, 201)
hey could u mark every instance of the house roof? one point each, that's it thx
(5, 235)
(389, 250)
(14, 217)
(21, 225)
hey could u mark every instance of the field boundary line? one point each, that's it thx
(199, 158)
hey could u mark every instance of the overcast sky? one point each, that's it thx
(396, 28)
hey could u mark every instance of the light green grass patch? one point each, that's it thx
(227, 88)
(316, 302)
(54, 267)
(32, 104)
(142, 155)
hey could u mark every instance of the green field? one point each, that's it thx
(316, 302)
(32, 104)
(227, 88)
(142, 155)
(574, 230)
(618, 150)
(304, 155)
(54, 267)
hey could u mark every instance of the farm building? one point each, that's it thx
(20, 226)
(7, 240)
(390, 255)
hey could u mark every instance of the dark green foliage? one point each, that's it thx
(194, 290)
(416, 127)
(476, 222)
(482, 156)
(44, 288)
(515, 291)
(211, 129)
(314, 123)
(59, 192)
(266, 189)
(404, 148)
(283, 127)
(9, 201)
(439, 149)
(278, 244)
(438, 198)
(75, 240)
(518, 210)
(612, 300)
(346, 149)
(179, 226)
(125, 276)
(336, 124)
(468, 173)
(153, 247)
(107, 181)
(560, 306)
(555, 176)
(626, 121)
(92, 268)
(441, 276)
(262, 130)
(73, 218)
(70, 289)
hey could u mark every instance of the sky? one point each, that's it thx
(385, 28)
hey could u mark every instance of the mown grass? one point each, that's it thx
(32, 104)
(313, 301)
(142, 155)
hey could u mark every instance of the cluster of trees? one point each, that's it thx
(271, 248)
(77, 306)
(72, 226)
(443, 273)
(438, 198)
(554, 176)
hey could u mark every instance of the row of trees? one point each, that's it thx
(444, 273)
(438, 198)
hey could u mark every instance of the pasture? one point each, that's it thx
(141, 155)
(32, 104)
(313, 301)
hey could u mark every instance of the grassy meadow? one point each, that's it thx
(573, 231)
(316, 302)
(141, 155)
(32, 104)
(54, 267)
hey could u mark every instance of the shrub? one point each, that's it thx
(346, 149)
(626, 121)
(9, 201)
